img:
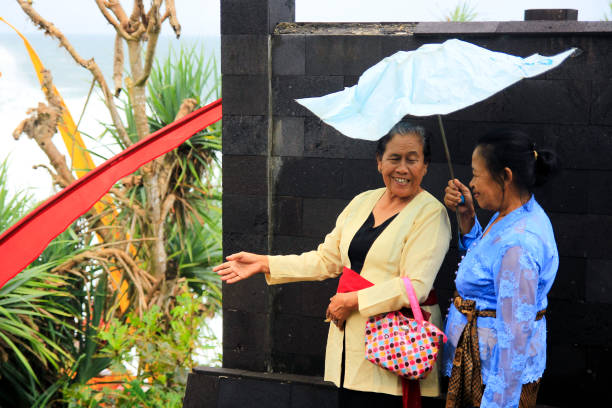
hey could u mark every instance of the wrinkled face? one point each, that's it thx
(402, 165)
(485, 189)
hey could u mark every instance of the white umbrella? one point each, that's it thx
(434, 79)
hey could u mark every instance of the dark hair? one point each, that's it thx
(531, 166)
(404, 127)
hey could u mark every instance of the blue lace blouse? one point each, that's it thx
(510, 270)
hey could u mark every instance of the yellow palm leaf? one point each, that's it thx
(82, 162)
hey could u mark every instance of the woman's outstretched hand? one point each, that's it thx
(241, 266)
(452, 199)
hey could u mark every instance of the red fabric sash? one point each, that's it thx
(25, 241)
(351, 281)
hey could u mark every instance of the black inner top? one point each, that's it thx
(363, 240)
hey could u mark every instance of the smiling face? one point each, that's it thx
(485, 189)
(403, 166)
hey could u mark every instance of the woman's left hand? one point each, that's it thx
(341, 306)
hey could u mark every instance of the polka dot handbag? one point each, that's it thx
(406, 346)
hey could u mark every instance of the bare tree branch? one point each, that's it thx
(117, 9)
(171, 12)
(118, 64)
(41, 127)
(138, 13)
(118, 27)
(90, 64)
(153, 30)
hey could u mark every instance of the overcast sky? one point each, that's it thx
(201, 17)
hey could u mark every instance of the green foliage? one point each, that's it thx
(12, 206)
(462, 12)
(54, 331)
(162, 356)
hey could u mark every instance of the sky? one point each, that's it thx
(201, 17)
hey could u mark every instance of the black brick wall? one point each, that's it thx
(312, 171)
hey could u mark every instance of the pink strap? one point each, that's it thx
(414, 303)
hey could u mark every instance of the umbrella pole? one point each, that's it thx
(450, 169)
(446, 151)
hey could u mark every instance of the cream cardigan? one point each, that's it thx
(413, 244)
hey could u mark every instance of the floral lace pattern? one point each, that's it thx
(510, 270)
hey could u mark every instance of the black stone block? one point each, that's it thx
(245, 357)
(359, 176)
(598, 228)
(593, 62)
(245, 175)
(280, 11)
(322, 140)
(304, 298)
(235, 242)
(445, 280)
(299, 334)
(306, 396)
(245, 135)
(393, 44)
(283, 244)
(288, 136)
(598, 369)
(201, 391)
(551, 14)
(599, 281)
(342, 55)
(571, 279)
(245, 340)
(565, 370)
(242, 392)
(534, 101)
(350, 80)
(320, 216)
(287, 88)
(296, 363)
(570, 234)
(585, 147)
(601, 110)
(245, 94)
(244, 17)
(245, 214)
(567, 193)
(244, 54)
(308, 177)
(521, 47)
(599, 190)
(287, 215)
(249, 295)
(288, 55)
(579, 323)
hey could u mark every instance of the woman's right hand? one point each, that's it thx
(241, 266)
(452, 199)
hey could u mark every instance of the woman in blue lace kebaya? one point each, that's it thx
(496, 352)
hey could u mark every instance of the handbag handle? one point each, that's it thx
(414, 303)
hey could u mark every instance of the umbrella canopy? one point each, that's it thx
(433, 79)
